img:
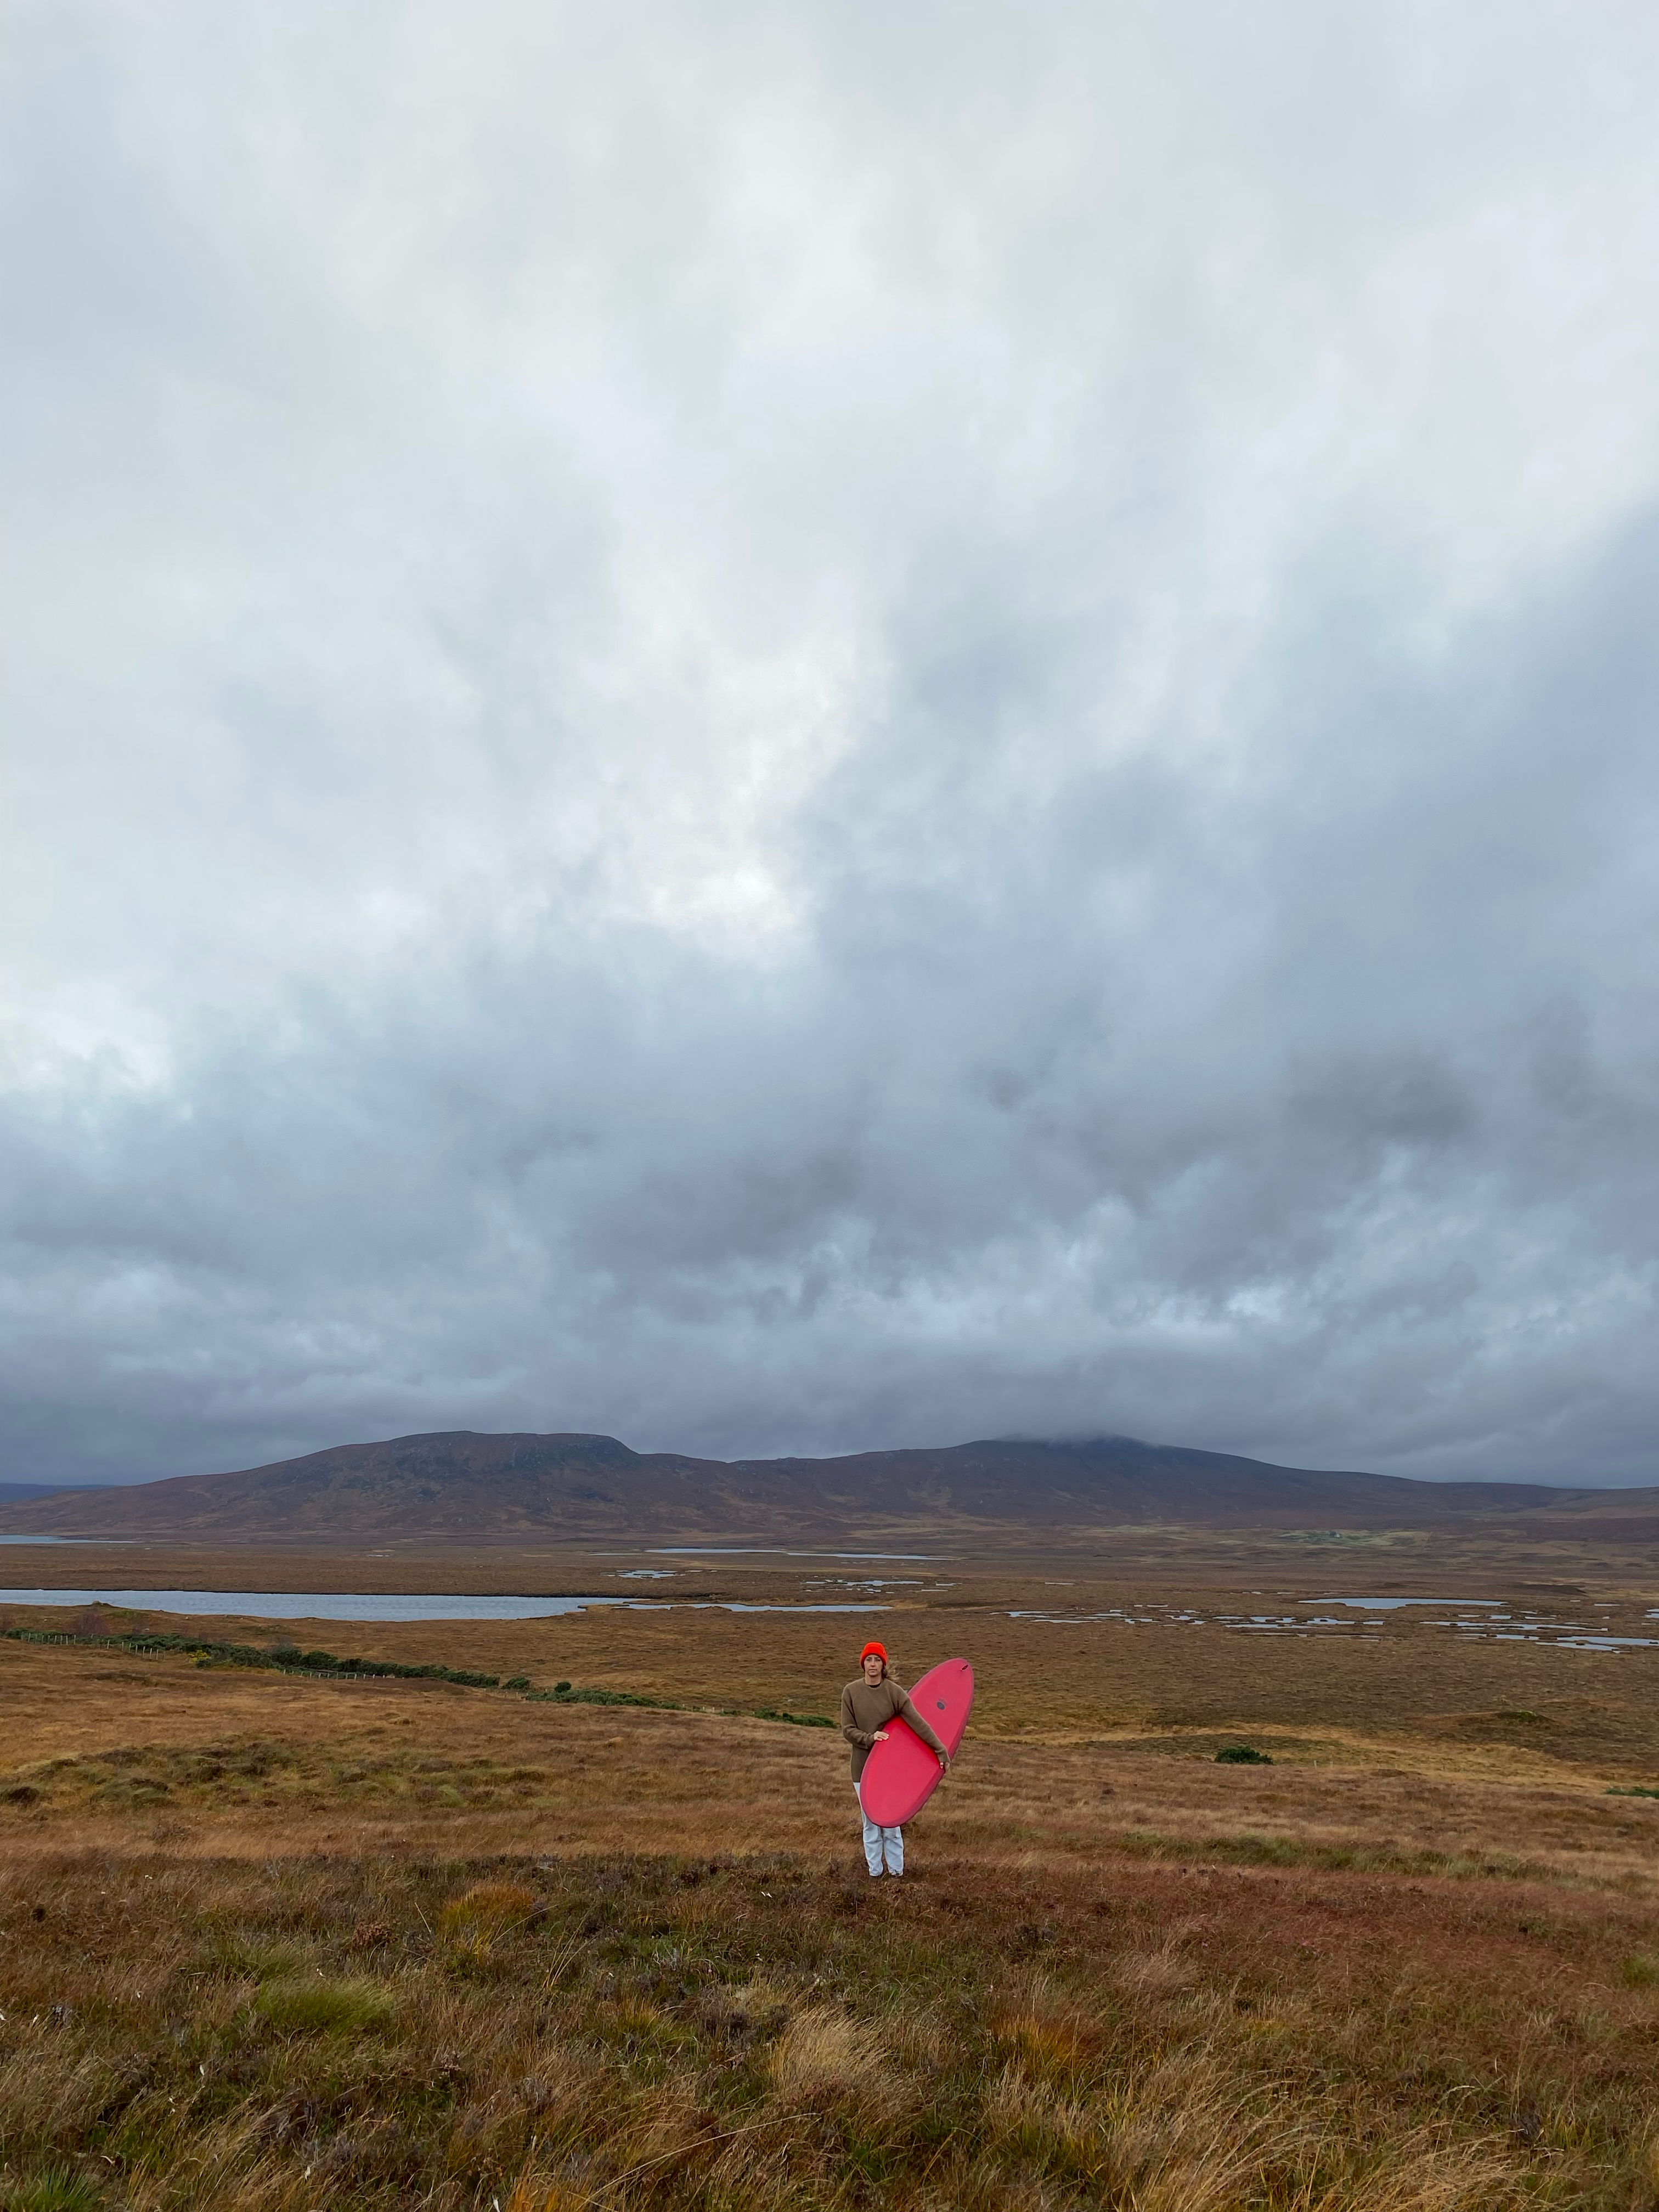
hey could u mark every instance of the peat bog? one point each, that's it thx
(275, 1939)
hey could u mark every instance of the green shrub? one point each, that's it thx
(1242, 1754)
(562, 1694)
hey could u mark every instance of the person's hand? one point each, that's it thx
(944, 1762)
(881, 1735)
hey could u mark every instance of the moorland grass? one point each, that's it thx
(737, 2035)
(303, 2006)
(1593, 1711)
(52, 2189)
(273, 1942)
(328, 1666)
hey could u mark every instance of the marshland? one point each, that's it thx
(276, 1935)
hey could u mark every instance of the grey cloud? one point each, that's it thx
(780, 737)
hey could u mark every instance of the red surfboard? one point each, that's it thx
(901, 1774)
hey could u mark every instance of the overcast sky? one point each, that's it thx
(789, 728)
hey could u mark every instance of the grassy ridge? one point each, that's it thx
(282, 1658)
(289, 1659)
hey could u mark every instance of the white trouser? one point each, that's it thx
(881, 1843)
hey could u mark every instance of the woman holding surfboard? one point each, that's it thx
(866, 1707)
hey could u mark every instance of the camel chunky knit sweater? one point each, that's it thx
(866, 1706)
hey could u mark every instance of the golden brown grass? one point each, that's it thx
(1036, 1677)
(764, 2034)
(273, 1942)
(1416, 1778)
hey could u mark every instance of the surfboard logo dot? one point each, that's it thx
(941, 1704)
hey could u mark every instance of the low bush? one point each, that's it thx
(285, 1658)
(562, 1694)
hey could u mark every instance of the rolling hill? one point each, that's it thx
(462, 1486)
(18, 1494)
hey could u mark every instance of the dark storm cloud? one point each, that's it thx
(852, 756)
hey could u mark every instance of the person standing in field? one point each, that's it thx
(867, 1705)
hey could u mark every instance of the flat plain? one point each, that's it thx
(275, 1937)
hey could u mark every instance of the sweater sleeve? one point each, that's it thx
(922, 1727)
(860, 1739)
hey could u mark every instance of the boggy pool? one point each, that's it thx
(335, 1605)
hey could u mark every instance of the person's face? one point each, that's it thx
(872, 1670)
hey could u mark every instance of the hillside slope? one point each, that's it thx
(460, 1485)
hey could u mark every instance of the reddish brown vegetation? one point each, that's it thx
(273, 1942)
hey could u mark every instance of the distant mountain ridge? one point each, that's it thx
(461, 1484)
(16, 1494)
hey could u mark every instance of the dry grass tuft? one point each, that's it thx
(1421, 2175)
(1155, 1973)
(1048, 2040)
(826, 2053)
(475, 1922)
(534, 2193)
